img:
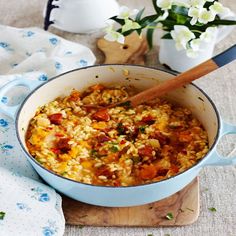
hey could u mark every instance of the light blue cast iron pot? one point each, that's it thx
(142, 78)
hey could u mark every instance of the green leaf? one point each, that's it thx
(181, 19)
(119, 21)
(148, 20)
(222, 22)
(2, 215)
(139, 31)
(178, 18)
(128, 32)
(167, 36)
(208, 4)
(149, 34)
(212, 209)
(157, 9)
(180, 10)
(169, 23)
(169, 216)
(139, 15)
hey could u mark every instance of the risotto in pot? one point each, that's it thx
(120, 146)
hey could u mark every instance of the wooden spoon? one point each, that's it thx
(180, 80)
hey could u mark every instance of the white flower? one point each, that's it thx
(125, 12)
(218, 8)
(209, 34)
(164, 4)
(129, 25)
(195, 44)
(182, 35)
(184, 3)
(194, 13)
(191, 53)
(112, 35)
(197, 3)
(206, 16)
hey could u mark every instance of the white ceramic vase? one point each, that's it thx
(179, 61)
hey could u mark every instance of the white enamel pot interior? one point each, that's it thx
(142, 78)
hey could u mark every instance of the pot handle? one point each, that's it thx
(217, 159)
(50, 7)
(11, 110)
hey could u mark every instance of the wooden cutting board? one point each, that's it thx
(184, 205)
(131, 52)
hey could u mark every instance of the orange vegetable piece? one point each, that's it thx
(185, 136)
(145, 151)
(56, 118)
(87, 164)
(147, 172)
(101, 115)
(74, 96)
(99, 125)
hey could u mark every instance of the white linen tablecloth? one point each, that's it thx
(27, 206)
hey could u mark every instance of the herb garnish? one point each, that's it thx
(2, 215)
(126, 104)
(94, 153)
(142, 129)
(120, 128)
(136, 159)
(212, 209)
(150, 235)
(169, 216)
(114, 148)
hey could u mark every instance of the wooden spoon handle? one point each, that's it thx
(184, 78)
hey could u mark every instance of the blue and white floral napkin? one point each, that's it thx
(27, 206)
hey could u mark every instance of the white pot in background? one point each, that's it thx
(79, 16)
(179, 61)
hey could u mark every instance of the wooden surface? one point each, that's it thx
(184, 206)
(131, 52)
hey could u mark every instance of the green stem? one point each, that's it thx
(197, 31)
(154, 27)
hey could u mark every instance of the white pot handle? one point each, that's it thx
(11, 110)
(216, 159)
(224, 31)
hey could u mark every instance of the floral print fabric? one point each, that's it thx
(28, 207)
